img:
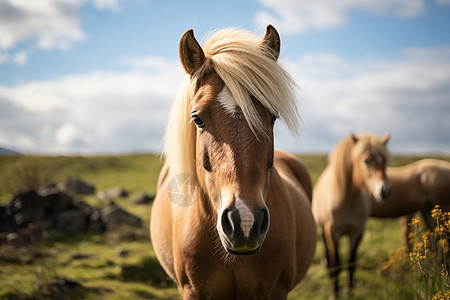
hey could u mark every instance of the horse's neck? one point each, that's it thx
(203, 207)
(356, 190)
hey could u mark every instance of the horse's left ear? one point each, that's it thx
(271, 42)
(386, 138)
(191, 53)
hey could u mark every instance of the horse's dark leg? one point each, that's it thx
(354, 243)
(426, 214)
(332, 253)
(431, 223)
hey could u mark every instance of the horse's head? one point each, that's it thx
(232, 109)
(233, 165)
(370, 157)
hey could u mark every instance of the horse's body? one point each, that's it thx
(418, 186)
(342, 195)
(222, 180)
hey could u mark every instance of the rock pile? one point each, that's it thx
(30, 213)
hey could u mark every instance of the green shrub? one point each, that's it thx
(30, 172)
(425, 270)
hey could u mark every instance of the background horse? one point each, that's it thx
(343, 192)
(418, 186)
(232, 217)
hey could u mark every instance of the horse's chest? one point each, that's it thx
(354, 209)
(211, 273)
(351, 217)
(222, 283)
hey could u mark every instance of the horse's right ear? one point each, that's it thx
(191, 53)
(386, 138)
(354, 137)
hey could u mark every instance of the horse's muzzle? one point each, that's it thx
(386, 191)
(241, 230)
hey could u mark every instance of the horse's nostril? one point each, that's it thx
(263, 223)
(385, 192)
(227, 224)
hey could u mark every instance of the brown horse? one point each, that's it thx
(232, 217)
(342, 195)
(418, 186)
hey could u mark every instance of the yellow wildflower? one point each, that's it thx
(436, 213)
(414, 221)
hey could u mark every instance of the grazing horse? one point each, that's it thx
(418, 186)
(232, 217)
(343, 192)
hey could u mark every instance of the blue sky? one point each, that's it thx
(99, 76)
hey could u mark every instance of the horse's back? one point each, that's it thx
(429, 178)
(288, 163)
(435, 178)
(413, 186)
(289, 202)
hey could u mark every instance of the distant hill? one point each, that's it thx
(4, 151)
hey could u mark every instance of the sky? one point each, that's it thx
(91, 77)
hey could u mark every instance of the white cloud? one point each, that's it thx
(408, 97)
(68, 135)
(90, 113)
(297, 16)
(107, 4)
(127, 111)
(21, 58)
(48, 24)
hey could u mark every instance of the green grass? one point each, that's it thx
(103, 271)
(136, 173)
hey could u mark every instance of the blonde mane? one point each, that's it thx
(247, 69)
(341, 159)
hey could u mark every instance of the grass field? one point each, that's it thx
(108, 276)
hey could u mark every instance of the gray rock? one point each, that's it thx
(26, 207)
(71, 221)
(7, 223)
(117, 192)
(145, 198)
(55, 200)
(62, 288)
(121, 252)
(14, 239)
(76, 186)
(114, 218)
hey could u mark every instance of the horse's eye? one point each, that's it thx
(367, 161)
(198, 122)
(272, 122)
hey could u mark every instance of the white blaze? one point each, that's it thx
(247, 218)
(226, 99)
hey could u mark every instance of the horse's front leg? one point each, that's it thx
(189, 293)
(354, 243)
(332, 253)
(280, 292)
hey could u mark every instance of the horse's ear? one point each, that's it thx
(191, 53)
(354, 137)
(271, 42)
(386, 138)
